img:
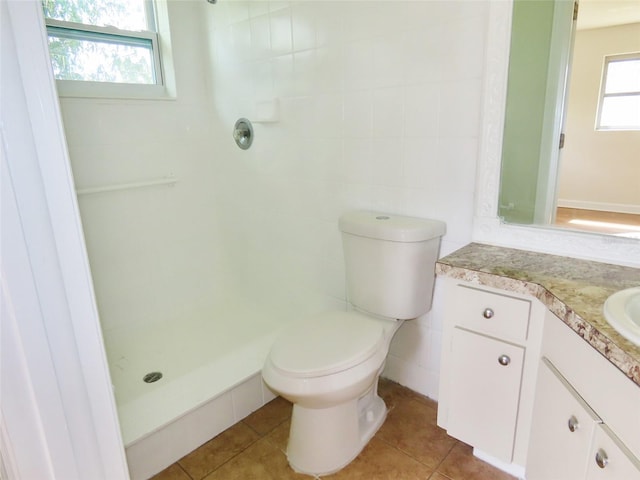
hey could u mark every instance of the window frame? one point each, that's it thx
(608, 59)
(117, 36)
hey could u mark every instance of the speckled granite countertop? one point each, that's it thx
(575, 290)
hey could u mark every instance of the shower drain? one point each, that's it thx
(152, 377)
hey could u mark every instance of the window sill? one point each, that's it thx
(105, 90)
(618, 129)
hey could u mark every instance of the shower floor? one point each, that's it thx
(200, 356)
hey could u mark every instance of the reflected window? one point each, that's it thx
(619, 107)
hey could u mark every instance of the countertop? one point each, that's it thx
(574, 290)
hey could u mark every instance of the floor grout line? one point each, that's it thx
(185, 472)
(445, 457)
(230, 458)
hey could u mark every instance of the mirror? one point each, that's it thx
(556, 64)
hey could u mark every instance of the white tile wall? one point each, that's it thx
(380, 109)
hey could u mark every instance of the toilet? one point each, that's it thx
(328, 365)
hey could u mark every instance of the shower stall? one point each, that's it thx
(200, 251)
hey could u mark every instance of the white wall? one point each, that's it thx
(598, 169)
(379, 107)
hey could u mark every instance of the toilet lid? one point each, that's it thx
(330, 343)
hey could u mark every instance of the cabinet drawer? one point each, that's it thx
(490, 313)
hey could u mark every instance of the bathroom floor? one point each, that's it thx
(408, 446)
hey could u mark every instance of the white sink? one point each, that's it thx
(622, 311)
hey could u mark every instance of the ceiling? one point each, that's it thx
(606, 13)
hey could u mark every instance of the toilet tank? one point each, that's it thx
(390, 262)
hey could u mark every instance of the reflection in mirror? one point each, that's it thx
(593, 182)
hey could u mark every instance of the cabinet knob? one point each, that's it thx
(601, 458)
(573, 424)
(488, 313)
(504, 360)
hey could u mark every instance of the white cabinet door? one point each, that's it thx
(609, 459)
(484, 391)
(562, 429)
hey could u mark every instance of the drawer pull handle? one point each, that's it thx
(504, 360)
(488, 313)
(573, 424)
(601, 458)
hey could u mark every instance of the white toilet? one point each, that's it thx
(328, 366)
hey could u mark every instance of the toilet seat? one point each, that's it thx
(328, 344)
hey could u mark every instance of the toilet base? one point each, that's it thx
(323, 441)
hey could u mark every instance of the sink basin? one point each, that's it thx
(622, 311)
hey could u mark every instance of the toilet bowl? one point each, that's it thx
(328, 365)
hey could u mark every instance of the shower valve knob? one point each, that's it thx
(243, 133)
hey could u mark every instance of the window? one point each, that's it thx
(619, 107)
(105, 41)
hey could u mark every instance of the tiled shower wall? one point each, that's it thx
(370, 104)
(150, 249)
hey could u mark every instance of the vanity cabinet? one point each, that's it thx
(570, 408)
(486, 381)
(524, 389)
(568, 438)
(583, 407)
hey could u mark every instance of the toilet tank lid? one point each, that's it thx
(386, 226)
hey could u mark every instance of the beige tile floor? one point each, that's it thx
(408, 446)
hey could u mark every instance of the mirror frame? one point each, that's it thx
(488, 227)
